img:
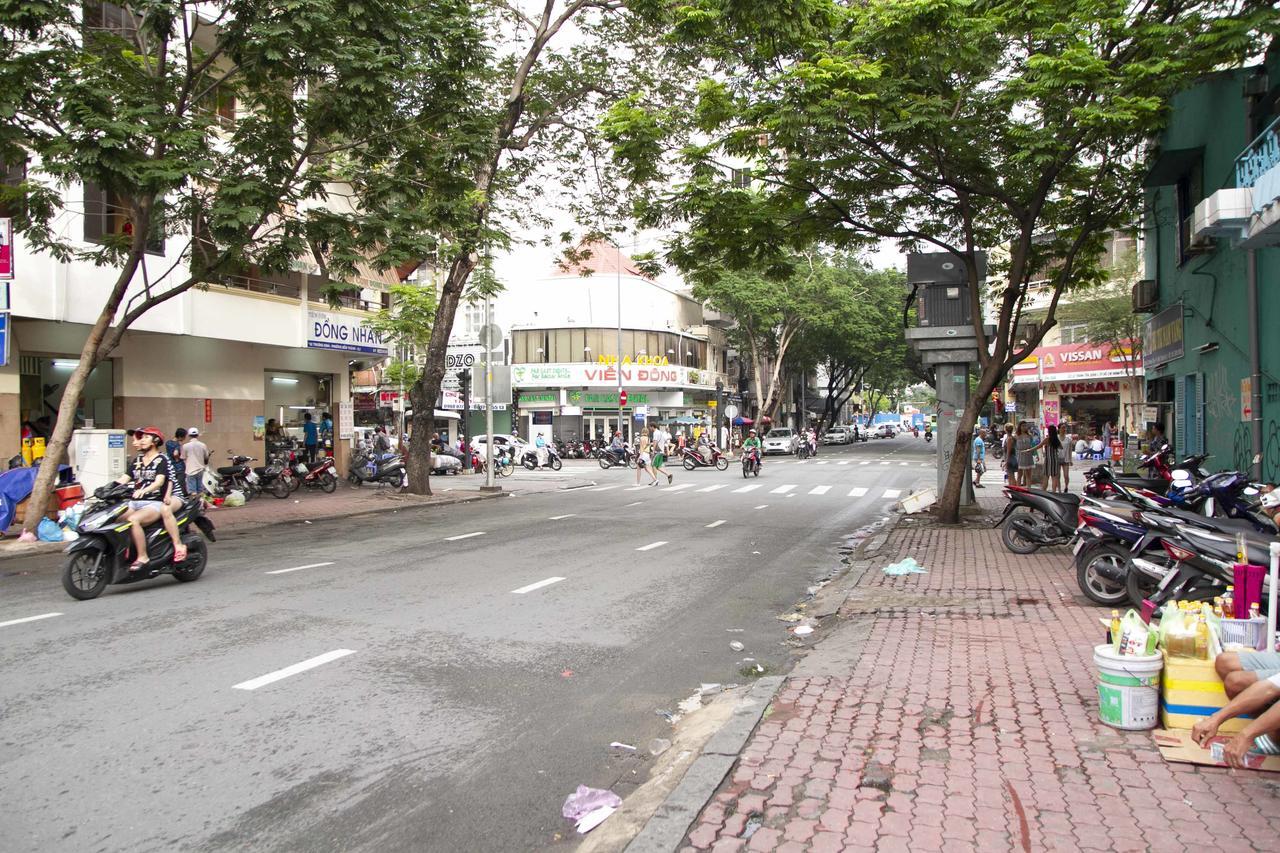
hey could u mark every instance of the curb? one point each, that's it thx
(667, 827)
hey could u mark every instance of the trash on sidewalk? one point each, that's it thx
(693, 703)
(586, 800)
(736, 646)
(918, 501)
(802, 630)
(706, 688)
(594, 819)
(658, 745)
(1177, 746)
(909, 566)
(790, 617)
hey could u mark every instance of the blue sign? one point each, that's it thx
(4, 338)
(115, 440)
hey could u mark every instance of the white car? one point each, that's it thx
(837, 435)
(502, 441)
(779, 440)
(884, 431)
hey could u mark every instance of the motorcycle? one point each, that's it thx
(609, 457)
(503, 466)
(276, 478)
(695, 458)
(237, 476)
(1035, 519)
(103, 553)
(370, 467)
(531, 463)
(751, 463)
(928, 435)
(1198, 564)
(802, 448)
(321, 475)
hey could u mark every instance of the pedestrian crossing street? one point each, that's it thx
(784, 489)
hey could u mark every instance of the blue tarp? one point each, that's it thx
(15, 487)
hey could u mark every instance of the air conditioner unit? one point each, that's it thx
(1226, 213)
(1146, 296)
(1196, 244)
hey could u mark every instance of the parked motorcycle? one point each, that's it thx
(386, 468)
(272, 478)
(751, 463)
(695, 458)
(1197, 565)
(103, 553)
(322, 474)
(1035, 519)
(237, 476)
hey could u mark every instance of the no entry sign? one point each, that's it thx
(622, 398)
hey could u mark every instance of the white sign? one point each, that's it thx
(327, 330)
(730, 411)
(463, 357)
(586, 375)
(1011, 406)
(346, 419)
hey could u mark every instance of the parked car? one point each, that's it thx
(780, 440)
(502, 441)
(837, 435)
(884, 431)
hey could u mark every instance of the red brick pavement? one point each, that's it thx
(970, 720)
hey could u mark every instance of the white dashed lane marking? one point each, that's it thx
(539, 585)
(28, 619)
(857, 492)
(310, 663)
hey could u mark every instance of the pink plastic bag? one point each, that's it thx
(586, 800)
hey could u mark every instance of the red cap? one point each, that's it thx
(155, 431)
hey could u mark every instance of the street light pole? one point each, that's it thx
(618, 363)
(488, 394)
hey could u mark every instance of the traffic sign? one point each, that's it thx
(730, 411)
(622, 398)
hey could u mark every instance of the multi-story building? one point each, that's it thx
(1212, 238)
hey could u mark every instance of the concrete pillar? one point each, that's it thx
(953, 392)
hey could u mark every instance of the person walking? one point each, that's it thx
(1052, 446)
(644, 461)
(661, 439)
(1026, 458)
(310, 437)
(1065, 464)
(1010, 456)
(195, 458)
(979, 459)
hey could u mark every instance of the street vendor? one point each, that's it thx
(1262, 734)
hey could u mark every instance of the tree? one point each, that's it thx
(553, 72)
(1022, 126)
(772, 310)
(222, 127)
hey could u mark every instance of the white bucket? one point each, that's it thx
(1128, 688)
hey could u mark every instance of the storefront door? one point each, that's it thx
(603, 427)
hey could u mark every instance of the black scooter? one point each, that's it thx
(386, 468)
(103, 553)
(608, 458)
(1035, 519)
(530, 459)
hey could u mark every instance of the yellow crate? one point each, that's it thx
(1191, 690)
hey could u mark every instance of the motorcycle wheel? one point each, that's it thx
(247, 490)
(294, 481)
(507, 470)
(756, 470)
(78, 578)
(556, 464)
(604, 463)
(1097, 588)
(746, 471)
(328, 482)
(1011, 538)
(688, 464)
(279, 488)
(631, 462)
(193, 566)
(1139, 586)
(529, 464)
(722, 464)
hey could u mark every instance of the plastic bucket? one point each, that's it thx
(1128, 688)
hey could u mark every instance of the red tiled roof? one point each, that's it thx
(598, 257)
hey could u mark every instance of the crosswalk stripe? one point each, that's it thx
(868, 462)
(845, 462)
(904, 464)
(926, 465)
(891, 493)
(750, 488)
(783, 489)
(604, 488)
(819, 490)
(714, 488)
(679, 487)
(857, 492)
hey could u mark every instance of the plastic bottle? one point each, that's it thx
(1115, 629)
(1229, 603)
(1255, 611)
(1202, 638)
(1242, 549)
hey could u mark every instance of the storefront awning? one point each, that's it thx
(1076, 362)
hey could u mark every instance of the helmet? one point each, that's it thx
(154, 432)
(751, 432)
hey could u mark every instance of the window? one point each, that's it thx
(11, 175)
(109, 19)
(1187, 194)
(473, 319)
(1074, 333)
(740, 178)
(221, 101)
(107, 214)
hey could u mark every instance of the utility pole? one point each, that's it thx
(488, 395)
(464, 377)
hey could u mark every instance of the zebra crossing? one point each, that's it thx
(887, 463)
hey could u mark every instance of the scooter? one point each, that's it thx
(695, 458)
(322, 475)
(928, 435)
(530, 459)
(608, 458)
(275, 478)
(387, 469)
(103, 553)
(1035, 519)
(751, 463)
(234, 477)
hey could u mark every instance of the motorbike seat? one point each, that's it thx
(1223, 546)
(228, 470)
(1065, 498)
(1155, 484)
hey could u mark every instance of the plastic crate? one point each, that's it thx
(1246, 632)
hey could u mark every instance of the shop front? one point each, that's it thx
(1080, 388)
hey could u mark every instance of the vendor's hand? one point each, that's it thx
(1236, 749)
(1204, 730)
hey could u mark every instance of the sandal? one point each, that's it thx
(139, 565)
(179, 553)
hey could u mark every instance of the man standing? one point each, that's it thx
(310, 437)
(173, 449)
(979, 459)
(195, 457)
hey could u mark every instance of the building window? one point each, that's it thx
(473, 319)
(1074, 333)
(740, 178)
(109, 19)
(1187, 194)
(107, 214)
(11, 175)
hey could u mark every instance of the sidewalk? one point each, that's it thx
(959, 707)
(305, 505)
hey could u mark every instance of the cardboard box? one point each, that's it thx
(1191, 690)
(1178, 747)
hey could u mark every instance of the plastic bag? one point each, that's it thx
(586, 800)
(1136, 637)
(234, 498)
(48, 531)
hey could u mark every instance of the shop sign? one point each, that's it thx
(388, 399)
(463, 357)
(1050, 409)
(208, 411)
(327, 330)
(654, 360)
(1260, 158)
(1075, 361)
(6, 249)
(568, 375)
(1011, 406)
(1246, 399)
(346, 420)
(366, 401)
(545, 398)
(1162, 337)
(1090, 388)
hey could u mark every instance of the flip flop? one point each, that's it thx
(139, 565)
(179, 556)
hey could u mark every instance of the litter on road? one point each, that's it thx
(584, 801)
(620, 745)
(736, 646)
(909, 566)
(658, 745)
(802, 630)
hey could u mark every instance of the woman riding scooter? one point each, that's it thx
(157, 493)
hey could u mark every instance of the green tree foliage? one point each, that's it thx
(135, 100)
(945, 125)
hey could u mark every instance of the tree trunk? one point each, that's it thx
(427, 388)
(949, 502)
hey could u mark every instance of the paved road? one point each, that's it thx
(422, 681)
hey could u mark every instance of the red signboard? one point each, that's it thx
(388, 398)
(622, 398)
(208, 410)
(1080, 362)
(6, 249)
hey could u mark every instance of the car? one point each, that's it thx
(884, 431)
(502, 441)
(837, 435)
(779, 440)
